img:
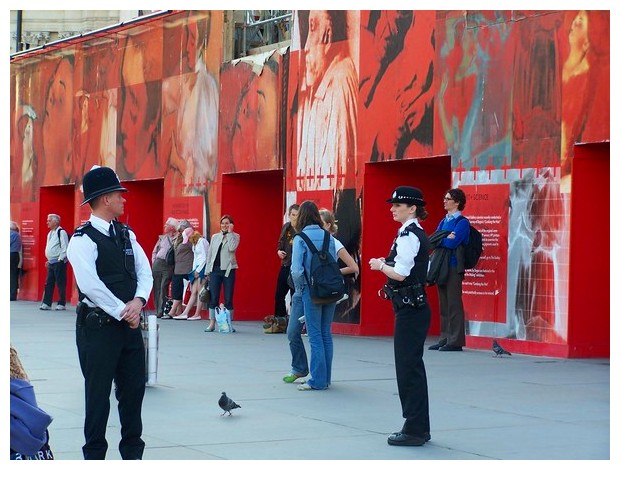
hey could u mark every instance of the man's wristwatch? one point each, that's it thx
(142, 300)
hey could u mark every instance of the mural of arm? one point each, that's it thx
(399, 84)
(389, 29)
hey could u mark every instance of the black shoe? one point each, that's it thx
(405, 440)
(426, 436)
(438, 345)
(451, 348)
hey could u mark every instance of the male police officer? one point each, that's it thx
(114, 279)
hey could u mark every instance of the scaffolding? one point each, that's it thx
(262, 29)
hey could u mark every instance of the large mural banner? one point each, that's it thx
(505, 94)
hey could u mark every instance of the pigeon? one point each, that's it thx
(499, 351)
(227, 404)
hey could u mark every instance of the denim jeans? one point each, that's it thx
(299, 360)
(319, 327)
(217, 279)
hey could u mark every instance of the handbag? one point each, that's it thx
(204, 295)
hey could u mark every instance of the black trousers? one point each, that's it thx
(282, 288)
(410, 332)
(162, 277)
(56, 277)
(14, 275)
(112, 353)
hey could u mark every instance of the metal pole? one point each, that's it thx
(18, 32)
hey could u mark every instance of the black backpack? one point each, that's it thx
(472, 250)
(325, 280)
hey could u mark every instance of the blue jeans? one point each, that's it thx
(217, 279)
(299, 360)
(319, 327)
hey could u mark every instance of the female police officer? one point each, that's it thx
(405, 268)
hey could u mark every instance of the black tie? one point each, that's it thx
(112, 233)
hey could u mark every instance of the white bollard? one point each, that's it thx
(152, 350)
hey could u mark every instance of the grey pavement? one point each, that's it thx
(482, 407)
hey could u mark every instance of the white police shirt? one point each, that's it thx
(82, 253)
(407, 247)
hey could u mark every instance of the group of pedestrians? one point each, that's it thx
(183, 257)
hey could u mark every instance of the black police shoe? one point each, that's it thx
(406, 440)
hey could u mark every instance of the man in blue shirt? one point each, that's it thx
(452, 314)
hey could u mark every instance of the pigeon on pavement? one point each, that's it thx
(227, 404)
(499, 351)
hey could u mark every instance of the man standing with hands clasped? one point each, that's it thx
(114, 279)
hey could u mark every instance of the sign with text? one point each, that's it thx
(484, 287)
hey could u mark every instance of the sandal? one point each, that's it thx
(210, 329)
(195, 317)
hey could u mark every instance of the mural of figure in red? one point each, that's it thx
(326, 127)
(538, 287)
(397, 83)
(57, 124)
(25, 149)
(581, 74)
(191, 106)
(326, 131)
(138, 111)
(536, 105)
(96, 119)
(249, 121)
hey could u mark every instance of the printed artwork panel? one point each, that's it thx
(249, 118)
(474, 72)
(397, 84)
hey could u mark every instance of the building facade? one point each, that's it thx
(510, 106)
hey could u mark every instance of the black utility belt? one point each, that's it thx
(408, 295)
(93, 317)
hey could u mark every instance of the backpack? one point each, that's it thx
(325, 280)
(472, 250)
(68, 235)
(170, 253)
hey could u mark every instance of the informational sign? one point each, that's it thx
(484, 287)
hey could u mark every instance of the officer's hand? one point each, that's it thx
(131, 312)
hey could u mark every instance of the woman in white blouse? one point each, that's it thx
(197, 277)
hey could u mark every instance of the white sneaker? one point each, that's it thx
(60, 307)
(45, 307)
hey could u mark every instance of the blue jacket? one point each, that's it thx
(302, 256)
(28, 422)
(461, 233)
